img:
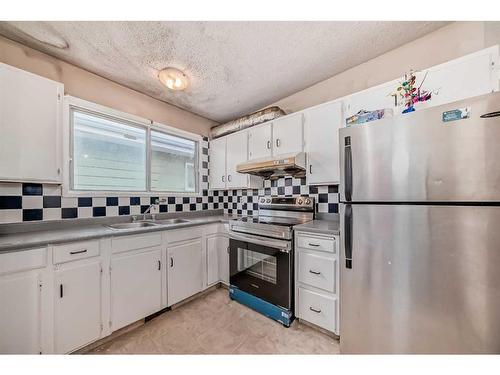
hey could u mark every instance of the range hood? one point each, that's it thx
(276, 167)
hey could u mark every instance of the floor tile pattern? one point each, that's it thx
(213, 324)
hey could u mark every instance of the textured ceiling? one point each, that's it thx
(234, 67)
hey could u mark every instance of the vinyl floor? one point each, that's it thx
(213, 324)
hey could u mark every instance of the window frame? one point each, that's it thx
(72, 104)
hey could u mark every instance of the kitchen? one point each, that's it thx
(156, 197)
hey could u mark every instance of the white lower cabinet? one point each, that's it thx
(223, 250)
(318, 308)
(59, 299)
(185, 272)
(217, 259)
(22, 291)
(77, 304)
(317, 280)
(20, 318)
(135, 286)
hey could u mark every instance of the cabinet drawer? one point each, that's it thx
(135, 242)
(317, 270)
(74, 251)
(179, 235)
(318, 309)
(312, 242)
(23, 260)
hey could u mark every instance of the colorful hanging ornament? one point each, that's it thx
(411, 94)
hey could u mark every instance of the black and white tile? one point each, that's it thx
(20, 202)
(35, 202)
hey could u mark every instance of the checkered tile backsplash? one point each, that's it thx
(34, 202)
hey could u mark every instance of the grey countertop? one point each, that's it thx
(328, 227)
(57, 232)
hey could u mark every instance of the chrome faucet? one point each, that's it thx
(156, 203)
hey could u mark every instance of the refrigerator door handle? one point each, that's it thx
(348, 169)
(348, 236)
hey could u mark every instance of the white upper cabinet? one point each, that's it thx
(288, 134)
(236, 153)
(471, 75)
(322, 143)
(225, 155)
(468, 76)
(30, 126)
(260, 141)
(378, 97)
(281, 136)
(218, 163)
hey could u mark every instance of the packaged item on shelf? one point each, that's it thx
(366, 116)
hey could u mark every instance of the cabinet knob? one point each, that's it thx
(278, 142)
(268, 145)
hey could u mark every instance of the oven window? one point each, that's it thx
(257, 265)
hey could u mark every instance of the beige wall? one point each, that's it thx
(452, 41)
(85, 85)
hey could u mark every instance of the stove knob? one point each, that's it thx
(262, 200)
(307, 201)
(299, 201)
(268, 200)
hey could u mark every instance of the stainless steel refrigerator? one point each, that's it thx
(420, 228)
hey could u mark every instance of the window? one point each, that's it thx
(109, 153)
(172, 163)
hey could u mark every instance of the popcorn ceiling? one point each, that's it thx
(234, 68)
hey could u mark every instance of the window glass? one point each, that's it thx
(108, 154)
(173, 163)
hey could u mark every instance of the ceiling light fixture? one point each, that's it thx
(173, 78)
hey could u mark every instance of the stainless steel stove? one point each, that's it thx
(277, 216)
(261, 255)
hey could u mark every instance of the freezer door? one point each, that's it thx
(420, 279)
(419, 157)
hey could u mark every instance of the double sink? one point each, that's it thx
(146, 223)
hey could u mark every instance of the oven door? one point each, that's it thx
(262, 267)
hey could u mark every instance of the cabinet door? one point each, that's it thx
(471, 75)
(322, 143)
(77, 305)
(212, 259)
(236, 153)
(20, 316)
(288, 134)
(377, 97)
(260, 141)
(218, 163)
(30, 126)
(223, 258)
(135, 286)
(185, 272)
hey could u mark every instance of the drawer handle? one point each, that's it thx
(171, 262)
(314, 244)
(159, 265)
(313, 309)
(78, 252)
(315, 272)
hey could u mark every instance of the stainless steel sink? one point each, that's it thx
(137, 224)
(171, 221)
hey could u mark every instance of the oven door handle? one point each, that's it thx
(284, 246)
